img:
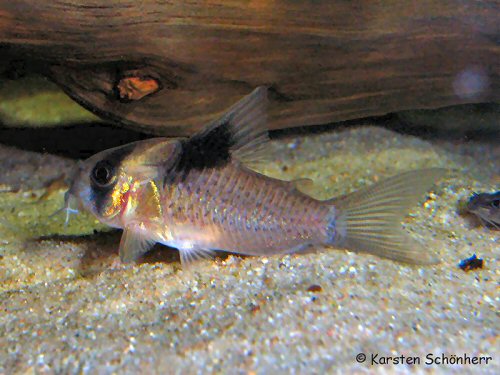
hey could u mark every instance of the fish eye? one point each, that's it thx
(496, 203)
(103, 174)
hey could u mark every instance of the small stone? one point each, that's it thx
(315, 288)
(471, 263)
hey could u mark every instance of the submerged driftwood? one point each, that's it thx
(169, 67)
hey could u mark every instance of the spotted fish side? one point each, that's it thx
(238, 210)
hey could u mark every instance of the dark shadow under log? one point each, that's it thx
(168, 67)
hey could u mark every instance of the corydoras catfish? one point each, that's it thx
(199, 195)
(486, 206)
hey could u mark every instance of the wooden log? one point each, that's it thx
(324, 61)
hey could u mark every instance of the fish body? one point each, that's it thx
(200, 195)
(486, 206)
(238, 209)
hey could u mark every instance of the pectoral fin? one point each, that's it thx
(134, 244)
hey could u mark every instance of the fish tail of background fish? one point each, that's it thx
(369, 220)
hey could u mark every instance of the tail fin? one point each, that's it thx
(369, 220)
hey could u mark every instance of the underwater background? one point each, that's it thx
(69, 306)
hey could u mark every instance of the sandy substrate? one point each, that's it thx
(68, 306)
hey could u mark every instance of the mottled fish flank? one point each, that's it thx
(486, 206)
(200, 195)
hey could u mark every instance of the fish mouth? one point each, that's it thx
(69, 198)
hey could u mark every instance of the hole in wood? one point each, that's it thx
(136, 87)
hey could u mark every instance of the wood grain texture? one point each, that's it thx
(324, 60)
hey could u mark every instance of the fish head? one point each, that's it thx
(98, 185)
(108, 183)
(486, 206)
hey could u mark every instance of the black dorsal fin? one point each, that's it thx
(239, 134)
